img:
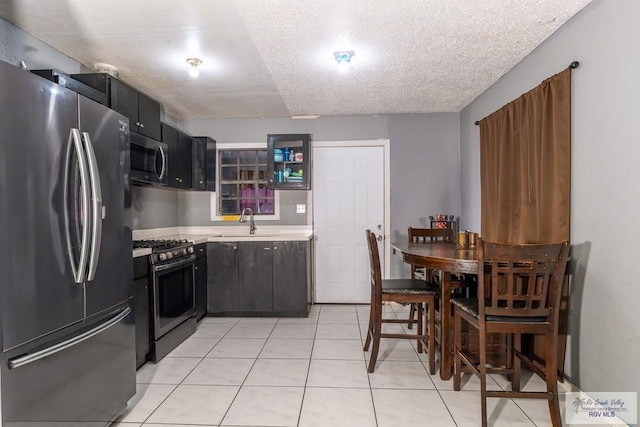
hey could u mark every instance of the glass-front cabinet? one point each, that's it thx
(288, 161)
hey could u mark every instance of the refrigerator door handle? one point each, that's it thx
(75, 143)
(163, 157)
(49, 351)
(96, 208)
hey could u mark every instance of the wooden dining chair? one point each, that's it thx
(423, 235)
(401, 291)
(519, 292)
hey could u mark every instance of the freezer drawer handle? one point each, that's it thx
(30, 358)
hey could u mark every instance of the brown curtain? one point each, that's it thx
(525, 166)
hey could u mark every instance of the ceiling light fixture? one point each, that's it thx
(343, 58)
(194, 63)
(305, 117)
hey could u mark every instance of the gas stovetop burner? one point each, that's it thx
(164, 250)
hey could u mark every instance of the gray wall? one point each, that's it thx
(604, 340)
(154, 207)
(16, 46)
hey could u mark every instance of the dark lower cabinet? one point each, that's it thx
(200, 279)
(291, 277)
(255, 292)
(259, 278)
(141, 309)
(222, 269)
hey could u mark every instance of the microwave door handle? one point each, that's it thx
(96, 208)
(74, 143)
(163, 157)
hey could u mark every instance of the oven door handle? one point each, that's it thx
(163, 267)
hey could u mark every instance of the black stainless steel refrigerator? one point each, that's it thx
(66, 272)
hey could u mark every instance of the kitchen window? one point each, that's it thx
(242, 183)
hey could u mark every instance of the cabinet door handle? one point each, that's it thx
(275, 247)
(266, 249)
(141, 125)
(138, 124)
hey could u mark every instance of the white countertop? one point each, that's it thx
(199, 235)
(141, 252)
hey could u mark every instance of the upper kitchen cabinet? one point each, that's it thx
(203, 163)
(180, 146)
(143, 112)
(288, 161)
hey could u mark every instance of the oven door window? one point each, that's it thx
(174, 297)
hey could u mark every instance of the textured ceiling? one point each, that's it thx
(274, 58)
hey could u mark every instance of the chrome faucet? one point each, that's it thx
(252, 224)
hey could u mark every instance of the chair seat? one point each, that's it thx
(470, 306)
(409, 286)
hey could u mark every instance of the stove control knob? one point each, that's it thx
(162, 257)
(190, 249)
(169, 255)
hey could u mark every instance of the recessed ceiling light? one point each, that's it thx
(343, 58)
(194, 63)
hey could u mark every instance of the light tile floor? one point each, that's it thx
(311, 372)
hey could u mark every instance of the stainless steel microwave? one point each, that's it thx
(149, 160)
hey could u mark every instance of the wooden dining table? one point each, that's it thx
(448, 258)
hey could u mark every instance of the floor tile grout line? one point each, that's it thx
(248, 373)
(373, 402)
(183, 379)
(190, 372)
(306, 380)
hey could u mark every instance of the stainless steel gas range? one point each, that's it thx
(173, 312)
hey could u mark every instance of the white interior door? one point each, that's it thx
(348, 198)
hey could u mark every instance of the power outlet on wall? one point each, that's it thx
(302, 208)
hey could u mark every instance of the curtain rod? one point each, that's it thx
(572, 66)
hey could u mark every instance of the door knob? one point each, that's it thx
(379, 238)
(379, 226)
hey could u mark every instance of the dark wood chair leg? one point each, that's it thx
(412, 313)
(515, 376)
(370, 328)
(377, 330)
(431, 322)
(483, 376)
(420, 321)
(551, 374)
(457, 360)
